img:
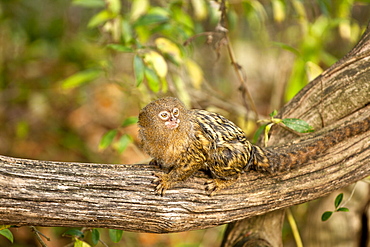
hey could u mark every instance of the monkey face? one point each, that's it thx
(162, 117)
(170, 118)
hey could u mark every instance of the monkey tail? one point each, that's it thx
(286, 157)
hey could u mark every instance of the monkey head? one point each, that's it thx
(164, 128)
(163, 114)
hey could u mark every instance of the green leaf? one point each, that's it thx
(259, 132)
(298, 125)
(95, 236)
(287, 47)
(80, 243)
(8, 234)
(274, 113)
(325, 216)
(195, 73)
(338, 200)
(107, 139)
(121, 48)
(115, 235)
(74, 233)
(150, 19)
(267, 130)
(279, 10)
(123, 143)
(139, 69)
(127, 33)
(232, 19)
(157, 62)
(129, 121)
(181, 17)
(80, 78)
(89, 3)
(139, 8)
(343, 209)
(297, 80)
(114, 6)
(313, 70)
(22, 129)
(100, 18)
(153, 79)
(200, 9)
(2, 227)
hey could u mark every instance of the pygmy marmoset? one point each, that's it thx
(185, 141)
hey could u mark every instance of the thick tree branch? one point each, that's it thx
(47, 193)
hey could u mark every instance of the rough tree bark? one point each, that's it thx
(47, 193)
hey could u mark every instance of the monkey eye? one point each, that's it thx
(175, 112)
(164, 115)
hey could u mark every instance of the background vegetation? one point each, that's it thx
(74, 74)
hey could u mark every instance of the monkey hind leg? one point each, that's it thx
(217, 184)
(228, 161)
(226, 164)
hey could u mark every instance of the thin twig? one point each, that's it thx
(103, 243)
(37, 233)
(220, 29)
(189, 40)
(294, 228)
(350, 197)
(238, 70)
(237, 67)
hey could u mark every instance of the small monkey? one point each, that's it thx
(184, 141)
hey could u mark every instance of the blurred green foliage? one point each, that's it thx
(74, 73)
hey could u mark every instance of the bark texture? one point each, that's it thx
(47, 193)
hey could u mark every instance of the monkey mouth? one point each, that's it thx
(172, 124)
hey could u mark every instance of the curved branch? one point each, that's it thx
(48, 193)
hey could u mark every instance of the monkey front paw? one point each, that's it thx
(163, 183)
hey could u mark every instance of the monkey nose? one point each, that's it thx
(172, 123)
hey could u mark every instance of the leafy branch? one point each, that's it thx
(295, 125)
(338, 207)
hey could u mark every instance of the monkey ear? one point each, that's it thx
(142, 119)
